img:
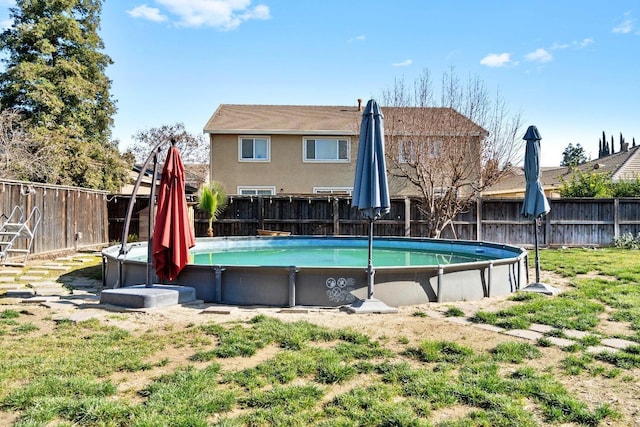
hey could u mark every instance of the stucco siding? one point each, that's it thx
(286, 170)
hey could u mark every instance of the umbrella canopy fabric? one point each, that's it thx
(535, 202)
(172, 237)
(370, 189)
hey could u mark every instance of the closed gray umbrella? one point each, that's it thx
(535, 203)
(371, 191)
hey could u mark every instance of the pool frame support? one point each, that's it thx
(292, 285)
(218, 269)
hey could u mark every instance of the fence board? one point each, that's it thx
(571, 222)
(72, 217)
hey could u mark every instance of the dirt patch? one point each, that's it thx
(395, 331)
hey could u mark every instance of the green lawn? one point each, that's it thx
(65, 374)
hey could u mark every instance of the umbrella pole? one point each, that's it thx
(152, 196)
(370, 271)
(535, 233)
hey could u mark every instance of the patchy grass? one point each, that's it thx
(305, 374)
(72, 384)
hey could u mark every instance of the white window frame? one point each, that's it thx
(412, 155)
(441, 191)
(433, 150)
(333, 190)
(254, 159)
(336, 139)
(241, 189)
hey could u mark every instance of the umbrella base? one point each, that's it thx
(541, 288)
(370, 305)
(141, 296)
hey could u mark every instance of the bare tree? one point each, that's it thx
(447, 153)
(193, 148)
(21, 157)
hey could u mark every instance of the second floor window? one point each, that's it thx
(411, 152)
(326, 150)
(253, 149)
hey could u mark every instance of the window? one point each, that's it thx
(442, 191)
(433, 149)
(253, 149)
(333, 190)
(326, 150)
(409, 150)
(259, 190)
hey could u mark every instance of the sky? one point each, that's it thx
(569, 67)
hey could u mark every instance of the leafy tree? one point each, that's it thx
(55, 78)
(627, 188)
(598, 185)
(193, 148)
(573, 155)
(587, 184)
(448, 168)
(20, 156)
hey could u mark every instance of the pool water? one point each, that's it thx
(329, 257)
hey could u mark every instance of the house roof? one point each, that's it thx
(621, 165)
(318, 119)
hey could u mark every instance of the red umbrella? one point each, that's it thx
(172, 235)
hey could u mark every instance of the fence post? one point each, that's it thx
(547, 230)
(336, 216)
(616, 218)
(407, 217)
(260, 212)
(105, 219)
(479, 218)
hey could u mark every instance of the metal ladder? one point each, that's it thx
(15, 228)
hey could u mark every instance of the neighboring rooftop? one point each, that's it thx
(621, 165)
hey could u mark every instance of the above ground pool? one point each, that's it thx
(332, 271)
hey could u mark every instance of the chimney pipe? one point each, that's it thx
(359, 104)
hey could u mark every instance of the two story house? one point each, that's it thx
(307, 149)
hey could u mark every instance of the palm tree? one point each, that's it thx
(213, 200)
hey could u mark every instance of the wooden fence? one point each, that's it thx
(72, 218)
(571, 222)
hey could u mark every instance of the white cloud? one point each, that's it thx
(585, 42)
(404, 63)
(624, 27)
(223, 14)
(558, 46)
(496, 59)
(539, 55)
(148, 13)
(359, 38)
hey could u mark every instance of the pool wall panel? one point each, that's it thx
(332, 287)
(249, 285)
(336, 286)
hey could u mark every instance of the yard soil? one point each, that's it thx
(390, 329)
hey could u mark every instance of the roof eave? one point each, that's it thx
(278, 132)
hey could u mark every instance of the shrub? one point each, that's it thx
(627, 241)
